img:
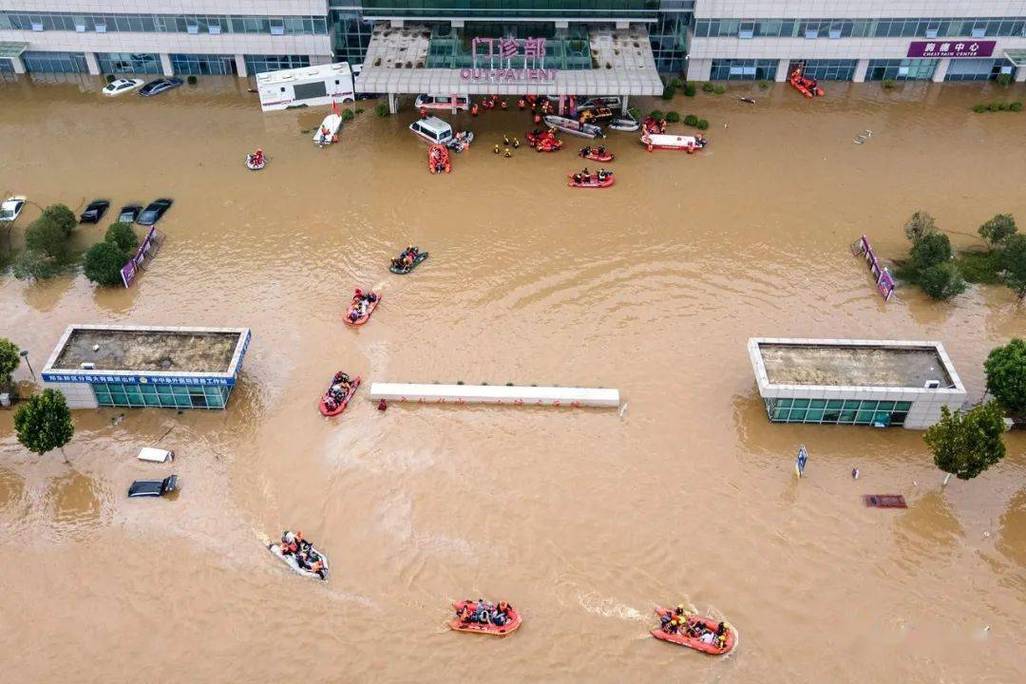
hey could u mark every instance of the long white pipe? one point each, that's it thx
(496, 394)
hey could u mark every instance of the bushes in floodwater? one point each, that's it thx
(889, 84)
(719, 89)
(347, 115)
(381, 109)
(668, 92)
(997, 107)
(690, 90)
(657, 114)
(708, 87)
(691, 120)
(1004, 79)
(191, 80)
(702, 124)
(672, 117)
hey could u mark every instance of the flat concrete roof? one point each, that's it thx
(148, 349)
(854, 363)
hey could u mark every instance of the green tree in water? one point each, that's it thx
(1006, 376)
(43, 423)
(103, 263)
(62, 217)
(919, 226)
(964, 444)
(9, 360)
(941, 281)
(1013, 261)
(998, 229)
(122, 235)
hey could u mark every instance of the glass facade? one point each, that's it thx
(743, 70)
(450, 48)
(514, 8)
(669, 38)
(204, 65)
(861, 28)
(257, 64)
(901, 69)
(978, 69)
(161, 396)
(6, 66)
(128, 63)
(838, 411)
(163, 23)
(830, 69)
(54, 62)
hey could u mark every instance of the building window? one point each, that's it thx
(204, 65)
(258, 64)
(161, 396)
(54, 62)
(743, 70)
(829, 69)
(128, 63)
(977, 69)
(838, 411)
(901, 69)
(163, 23)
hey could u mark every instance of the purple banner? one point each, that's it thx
(129, 270)
(951, 48)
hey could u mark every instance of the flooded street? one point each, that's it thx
(583, 519)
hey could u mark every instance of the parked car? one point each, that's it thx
(94, 212)
(159, 86)
(153, 211)
(442, 102)
(11, 208)
(433, 130)
(122, 85)
(153, 487)
(129, 213)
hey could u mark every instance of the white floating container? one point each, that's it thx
(496, 394)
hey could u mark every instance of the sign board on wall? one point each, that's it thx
(951, 48)
(132, 379)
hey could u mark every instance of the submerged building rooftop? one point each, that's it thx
(855, 363)
(147, 349)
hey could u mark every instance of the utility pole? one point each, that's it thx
(24, 355)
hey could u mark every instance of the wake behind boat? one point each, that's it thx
(300, 555)
(573, 127)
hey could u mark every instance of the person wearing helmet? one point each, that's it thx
(288, 543)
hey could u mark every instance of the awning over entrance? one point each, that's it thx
(1016, 57)
(12, 50)
(399, 62)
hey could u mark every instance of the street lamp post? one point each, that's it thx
(24, 355)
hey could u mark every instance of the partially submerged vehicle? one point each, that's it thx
(161, 85)
(94, 212)
(573, 127)
(442, 102)
(433, 130)
(121, 85)
(154, 455)
(129, 213)
(154, 211)
(153, 487)
(11, 208)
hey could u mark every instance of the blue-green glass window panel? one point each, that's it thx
(151, 400)
(801, 403)
(164, 390)
(847, 416)
(852, 404)
(814, 416)
(903, 406)
(797, 416)
(180, 390)
(780, 413)
(885, 406)
(817, 403)
(864, 417)
(835, 403)
(784, 403)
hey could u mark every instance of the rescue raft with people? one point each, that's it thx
(361, 307)
(544, 141)
(653, 125)
(809, 87)
(408, 260)
(256, 161)
(703, 634)
(482, 617)
(586, 179)
(327, 132)
(340, 391)
(599, 154)
(687, 143)
(438, 159)
(460, 141)
(573, 127)
(300, 555)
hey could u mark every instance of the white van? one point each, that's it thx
(433, 129)
(442, 102)
(156, 455)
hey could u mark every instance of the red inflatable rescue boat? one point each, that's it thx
(544, 141)
(709, 625)
(438, 159)
(597, 154)
(362, 307)
(331, 404)
(459, 625)
(808, 87)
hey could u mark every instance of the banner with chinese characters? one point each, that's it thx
(132, 379)
(501, 52)
(951, 48)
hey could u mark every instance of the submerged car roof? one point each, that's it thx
(433, 123)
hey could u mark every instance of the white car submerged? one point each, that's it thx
(122, 85)
(11, 208)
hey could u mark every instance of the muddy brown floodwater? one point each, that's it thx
(583, 519)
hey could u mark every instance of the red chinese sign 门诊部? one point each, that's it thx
(951, 48)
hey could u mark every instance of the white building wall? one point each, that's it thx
(707, 49)
(274, 8)
(79, 395)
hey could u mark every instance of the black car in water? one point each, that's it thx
(94, 212)
(159, 86)
(129, 213)
(153, 211)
